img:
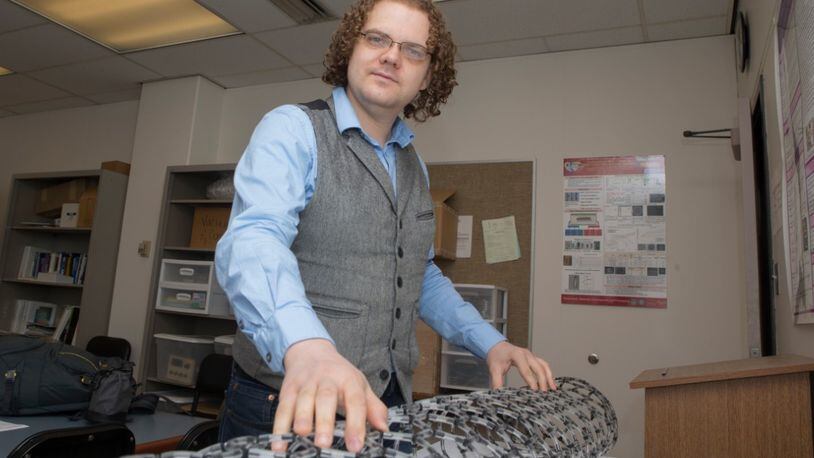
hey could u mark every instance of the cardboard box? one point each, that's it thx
(427, 375)
(208, 226)
(52, 197)
(117, 166)
(87, 207)
(446, 224)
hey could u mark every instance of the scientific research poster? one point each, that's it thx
(614, 231)
(795, 76)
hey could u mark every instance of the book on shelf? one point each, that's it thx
(40, 319)
(52, 266)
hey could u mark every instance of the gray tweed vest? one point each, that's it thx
(362, 253)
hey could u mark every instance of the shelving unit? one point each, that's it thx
(184, 189)
(100, 242)
(460, 369)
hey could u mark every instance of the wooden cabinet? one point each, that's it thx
(759, 407)
(25, 226)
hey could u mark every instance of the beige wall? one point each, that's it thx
(612, 101)
(71, 139)
(791, 338)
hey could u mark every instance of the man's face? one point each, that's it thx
(385, 80)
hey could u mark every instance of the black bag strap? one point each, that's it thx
(8, 392)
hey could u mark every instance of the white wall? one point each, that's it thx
(612, 101)
(71, 139)
(791, 338)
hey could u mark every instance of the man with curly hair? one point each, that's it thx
(327, 260)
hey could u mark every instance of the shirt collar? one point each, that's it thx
(346, 119)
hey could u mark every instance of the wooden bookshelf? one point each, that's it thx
(100, 242)
(184, 189)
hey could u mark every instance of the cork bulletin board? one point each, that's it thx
(489, 190)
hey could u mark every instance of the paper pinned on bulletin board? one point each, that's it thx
(464, 248)
(500, 240)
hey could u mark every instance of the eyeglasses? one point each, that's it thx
(412, 51)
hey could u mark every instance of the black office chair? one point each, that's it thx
(109, 346)
(213, 378)
(98, 441)
(200, 436)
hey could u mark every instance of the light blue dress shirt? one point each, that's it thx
(274, 181)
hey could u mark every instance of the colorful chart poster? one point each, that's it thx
(795, 76)
(615, 244)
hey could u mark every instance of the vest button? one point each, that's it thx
(398, 313)
(401, 253)
(383, 374)
(399, 282)
(393, 344)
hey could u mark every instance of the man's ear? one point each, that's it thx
(427, 78)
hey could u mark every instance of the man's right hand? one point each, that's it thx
(317, 380)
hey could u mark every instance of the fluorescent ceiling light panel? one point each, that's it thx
(130, 25)
(5, 71)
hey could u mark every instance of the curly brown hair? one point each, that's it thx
(442, 56)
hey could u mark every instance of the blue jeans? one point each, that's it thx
(250, 405)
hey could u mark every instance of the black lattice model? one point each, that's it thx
(574, 421)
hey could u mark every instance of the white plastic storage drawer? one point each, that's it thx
(178, 357)
(448, 347)
(223, 344)
(464, 372)
(490, 301)
(184, 271)
(191, 287)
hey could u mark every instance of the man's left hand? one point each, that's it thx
(535, 371)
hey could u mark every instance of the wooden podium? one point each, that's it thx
(759, 407)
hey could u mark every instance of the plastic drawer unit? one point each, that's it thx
(190, 287)
(178, 357)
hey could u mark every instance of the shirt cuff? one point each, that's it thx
(288, 326)
(483, 338)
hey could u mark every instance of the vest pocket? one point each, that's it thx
(332, 307)
(424, 215)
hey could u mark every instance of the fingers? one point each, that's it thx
(304, 410)
(355, 413)
(325, 416)
(376, 411)
(496, 377)
(284, 416)
(525, 368)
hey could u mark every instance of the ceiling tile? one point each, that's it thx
(103, 75)
(337, 7)
(315, 69)
(262, 77)
(302, 45)
(688, 29)
(597, 39)
(235, 54)
(16, 89)
(116, 96)
(673, 10)
(482, 21)
(50, 105)
(13, 17)
(503, 49)
(46, 45)
(4, 113)
(250, 15)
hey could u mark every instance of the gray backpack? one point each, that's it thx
(41, 377)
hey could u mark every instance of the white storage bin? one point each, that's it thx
(223, 344)
(464, 372)
(191, 287)
(185, 271)
(178, 358)
(491, 301)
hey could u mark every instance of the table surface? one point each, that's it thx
(723, 370)
(146, 427)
